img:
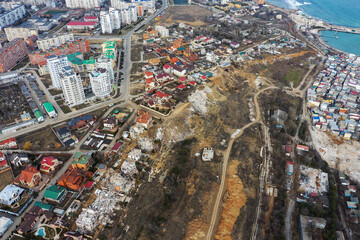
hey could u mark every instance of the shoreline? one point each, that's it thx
(317, 31)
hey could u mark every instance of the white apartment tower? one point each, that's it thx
(133, 14)
(72, 87)
(105, 21)
(115, 18)
(87, 4)
(55, 65)
(110, 20)
(107, 63)
(101, 84)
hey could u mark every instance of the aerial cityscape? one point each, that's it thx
(179, 119)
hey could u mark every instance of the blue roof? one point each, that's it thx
(74, 121)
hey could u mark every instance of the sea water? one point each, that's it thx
(346, 42)
(181, 2)
(337, 12)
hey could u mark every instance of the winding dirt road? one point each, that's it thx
(214, 217)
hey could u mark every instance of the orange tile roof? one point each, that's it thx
(28, 174)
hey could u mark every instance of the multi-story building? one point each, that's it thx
(81, 45)
(87, 4)
(105, 21)
(147, 5)
(104, 62)
(55, 65)
(102, 77)
(163, 31)
(12, 53)
(55, 41)
(72, 87)
(101, 82)
(20, 32)
(10, 17)
(125, 17)
(115, 18)
(109, 50)
(110, 20)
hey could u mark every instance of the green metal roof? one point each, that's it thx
(54, 192)
(38, 114)
(90, 61)
(42, 205)
(48, 107)
(81, 158)
(109, 44)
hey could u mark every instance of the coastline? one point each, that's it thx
(316, 31)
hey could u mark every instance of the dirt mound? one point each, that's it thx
(235, 200)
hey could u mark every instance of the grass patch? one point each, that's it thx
(294, 76)
(55, 91)
(136, 68)
(81, 106)
(65, 109)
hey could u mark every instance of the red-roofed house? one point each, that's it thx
(203, 77)
(30, 177)
(193, 83)
(144, 119)
(116, 147)
(149, 75)
(162, 96)
(150, 84)
(81, 25)
(8, 143)
(49, 164)
(163, 77)
(182, 79)
(181, 86)
(167, 68)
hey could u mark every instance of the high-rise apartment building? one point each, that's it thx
(110, 20)
(101, 84)
(55, 65)
(12, 53)
(72, 87)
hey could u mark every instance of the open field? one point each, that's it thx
(6, 178)
(43, 139)
(193, 15)
(12, 103)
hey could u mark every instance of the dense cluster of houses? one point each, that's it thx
(351, 198)
(333, 97)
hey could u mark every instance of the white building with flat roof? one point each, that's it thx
(54, 41)
(71, 86)
(87, 220)
(87, 4)
(55, 65)
(5, 223)
(10, 17)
